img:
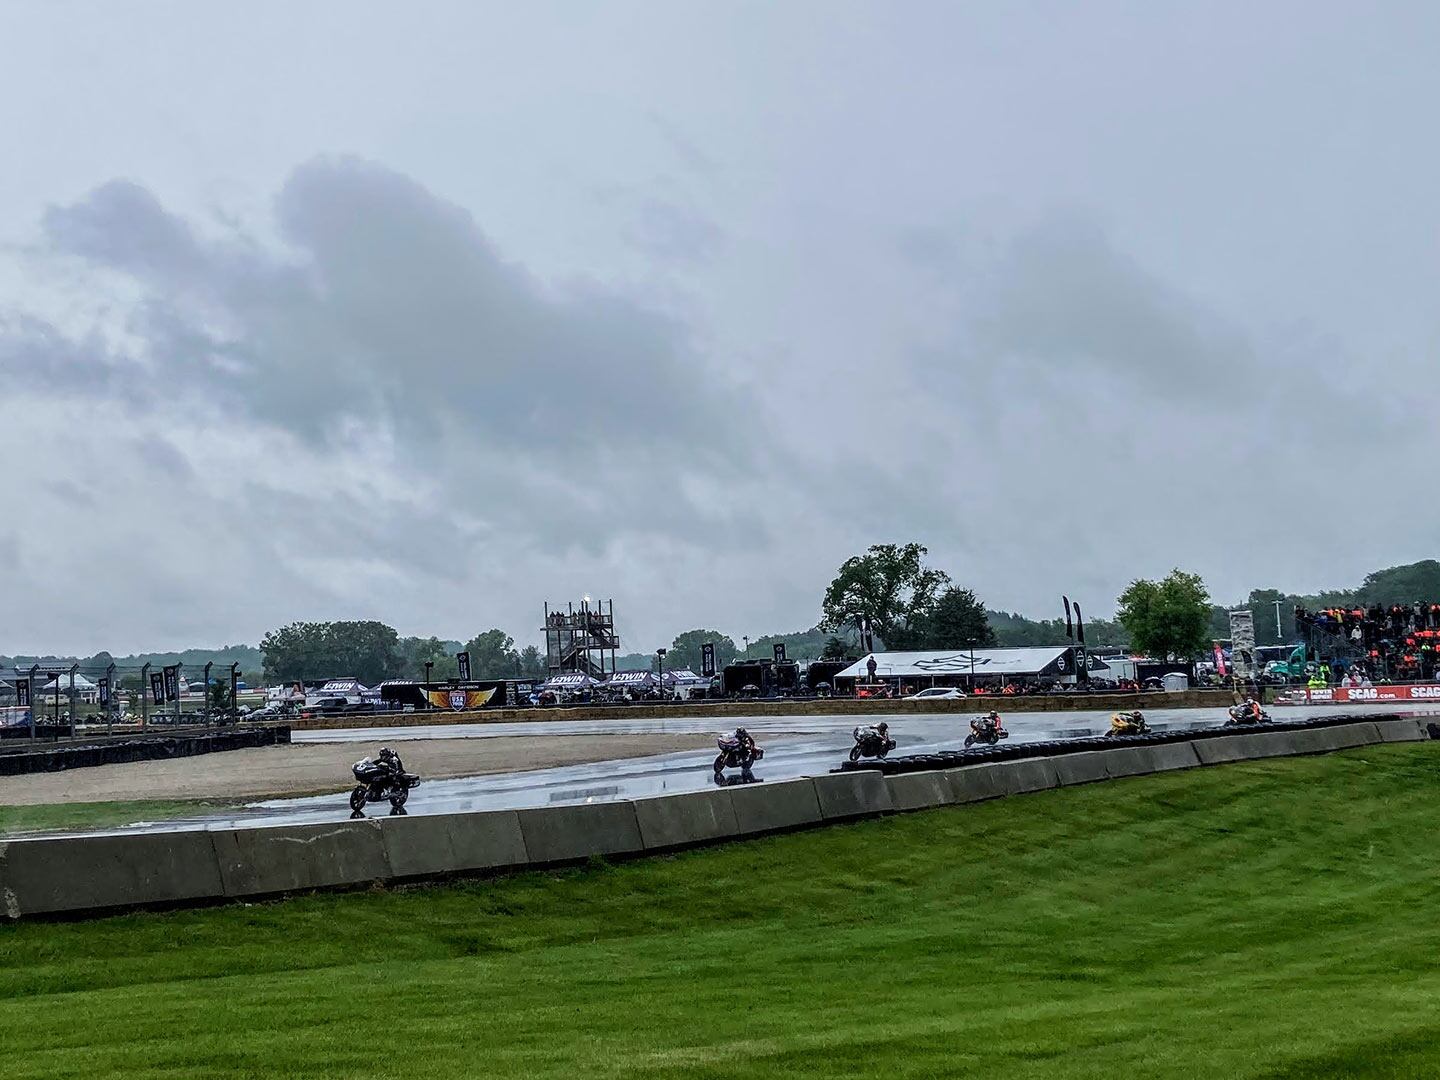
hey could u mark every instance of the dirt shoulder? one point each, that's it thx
(305, 768)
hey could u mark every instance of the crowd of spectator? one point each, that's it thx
(1400, 642)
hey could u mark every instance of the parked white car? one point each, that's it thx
(938, 693)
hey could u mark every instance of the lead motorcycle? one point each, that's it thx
(384, 780)
(871, 741)
(737, 751)
(987, 730)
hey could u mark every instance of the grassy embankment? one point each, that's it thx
(96, 815)
(1272, 919)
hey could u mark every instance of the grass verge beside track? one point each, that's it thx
(1272, 919)
(97, 815)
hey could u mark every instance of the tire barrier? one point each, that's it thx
(68, 876)
(56, 758)
(1345, 731)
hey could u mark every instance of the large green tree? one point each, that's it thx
(366, 650)
(892, 587)
(493, 655)
(958, 622)
(1169, 618)
(684, 651)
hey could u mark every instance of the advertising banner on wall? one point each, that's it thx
(461, 699)
(1341, 694)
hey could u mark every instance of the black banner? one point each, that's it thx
(707, 660)
(22, 693)
(172, 682)
(779, 652)
(462, 661)
(104, 687)
(157, 688)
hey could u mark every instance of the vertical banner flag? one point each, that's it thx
(1219, 660)
(104, 687)
(157, 688)
(462, 660)
(22, 693)
(172, 682)
(707, 659)
(779, 652)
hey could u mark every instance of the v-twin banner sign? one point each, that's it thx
(1342, 694)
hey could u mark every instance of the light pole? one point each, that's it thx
(428, 665)
(1279, 636)
(660, 655)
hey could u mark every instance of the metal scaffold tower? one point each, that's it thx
(577, 639)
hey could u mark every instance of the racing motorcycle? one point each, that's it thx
(871, 742)
(737, 751)
(1128, 723)
(381, 781)
(986, 729)
(1248, 712)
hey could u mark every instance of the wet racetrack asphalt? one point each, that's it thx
(794, 747)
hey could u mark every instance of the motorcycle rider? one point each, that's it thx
(1127, 723)
(978, 724)
(880, 731)
(746, 744)
(389, 759)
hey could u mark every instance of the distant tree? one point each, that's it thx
(532, 663)
(836, 649)
(219, 694)
(366, 650)
(1401, 585)
(493, 655)
(1169, 618)
(413, 653)
(957, 622)
(1262, 605)
(684, 651)
(891, 586)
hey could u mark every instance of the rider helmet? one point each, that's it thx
(882, 727)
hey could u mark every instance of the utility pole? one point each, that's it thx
(1279, 634)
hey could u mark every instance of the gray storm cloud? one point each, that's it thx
(1068, 294)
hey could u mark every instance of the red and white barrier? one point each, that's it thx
(1339, 695)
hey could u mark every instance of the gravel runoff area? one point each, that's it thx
(306, 768)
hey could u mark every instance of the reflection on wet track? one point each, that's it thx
(794, 747)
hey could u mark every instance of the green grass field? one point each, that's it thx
(1272, 919)
(94, 815)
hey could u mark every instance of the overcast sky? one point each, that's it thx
(431, 312)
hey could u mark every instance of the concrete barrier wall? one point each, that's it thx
(91, 874)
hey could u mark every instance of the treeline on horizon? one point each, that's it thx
(372, 651)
